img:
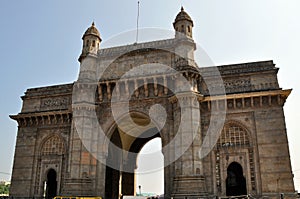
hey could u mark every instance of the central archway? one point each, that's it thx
(120, 179)
(150, 168)
(235, 181)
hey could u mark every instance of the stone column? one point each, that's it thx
(128, 175)
(168, 151)
(188, 181)
(100, 175)
(84, 132)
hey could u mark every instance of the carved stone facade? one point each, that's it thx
(246, 155)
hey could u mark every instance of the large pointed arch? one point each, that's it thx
(113, 126)
(122, 150)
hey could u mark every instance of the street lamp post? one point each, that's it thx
(140, 189)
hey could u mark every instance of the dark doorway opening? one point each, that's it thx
(112, 175)
(235, 181)
(51, 189)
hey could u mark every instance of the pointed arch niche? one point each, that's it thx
(53, 146)
(51, 159)
(234, 146)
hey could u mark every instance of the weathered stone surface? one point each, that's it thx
(253, 136)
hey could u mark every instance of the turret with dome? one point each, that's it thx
(183, 24)
(91, 42)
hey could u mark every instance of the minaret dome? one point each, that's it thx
(183, 24)
(91, 42)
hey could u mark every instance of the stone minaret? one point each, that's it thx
(91, 42)
(186, 46)
(183, 24)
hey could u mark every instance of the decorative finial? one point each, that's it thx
(182, 8)
(93, 24)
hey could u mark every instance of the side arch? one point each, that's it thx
(235, 134)
(51, 183)
(235, 180)
(53, 144)
(235, 144)
(50, 165)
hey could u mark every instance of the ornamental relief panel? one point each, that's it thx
(55, 103)
(230, 86)
(237, 85)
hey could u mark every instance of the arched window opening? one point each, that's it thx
(189, 29)
(94, 43)
(233, 136)
(182, 28)
(235, 181)
(53, 145)
(236, 139)
(51, 184)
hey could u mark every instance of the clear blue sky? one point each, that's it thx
(41, 41)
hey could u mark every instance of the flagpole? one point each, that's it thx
(137, 23)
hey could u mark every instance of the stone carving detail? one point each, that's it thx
(237, 85)
(54, 118)
(237, 69)
(117, 51)
(230, 86)
(55, 103)
(53, 145)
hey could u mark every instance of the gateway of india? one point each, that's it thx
(222, 128)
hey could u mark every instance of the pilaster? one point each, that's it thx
(189, 181)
